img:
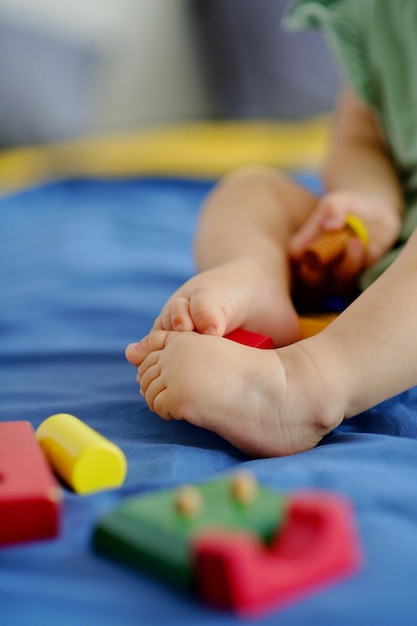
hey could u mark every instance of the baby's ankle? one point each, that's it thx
(314, 377)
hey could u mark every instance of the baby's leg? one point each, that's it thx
(274, 402)
(239, 293)
(265, 402)
(241, 254)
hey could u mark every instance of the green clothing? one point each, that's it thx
(375, 43)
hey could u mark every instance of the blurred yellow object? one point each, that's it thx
(311, 325)
(201, 149)
(83, 458)
(358, 228)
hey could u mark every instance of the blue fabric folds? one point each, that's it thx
(85, 266)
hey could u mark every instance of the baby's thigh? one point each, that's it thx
(297, 201)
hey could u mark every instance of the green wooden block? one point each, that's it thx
(150, 533)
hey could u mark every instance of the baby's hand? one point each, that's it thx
(382, 222)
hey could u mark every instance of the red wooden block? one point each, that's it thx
(29, 493)
(317, 546)
(248, 338)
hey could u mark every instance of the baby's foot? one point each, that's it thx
(241, 293)
(265, 402)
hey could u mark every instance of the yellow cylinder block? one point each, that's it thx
(84, 459)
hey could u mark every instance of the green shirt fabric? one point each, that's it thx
(375, 43)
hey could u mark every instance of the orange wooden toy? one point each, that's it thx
(328, 249)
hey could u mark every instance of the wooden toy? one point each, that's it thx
(243, 547)
(29, 494)
(313, 324)
(316, 546)
(84, 459)
(153, 533)
(327, 250)
(248, 338)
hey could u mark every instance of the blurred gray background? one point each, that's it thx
(77, 67)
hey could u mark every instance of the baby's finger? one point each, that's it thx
(305, 236)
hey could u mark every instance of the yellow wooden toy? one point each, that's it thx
(84, 459)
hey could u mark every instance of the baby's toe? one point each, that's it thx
(136, 353)
(151, 359)
(148, 376)
(133, 352)
(209, 317)
(154, 389)
(180, 315)
(158, 340)
(164, 319)
(160, 403)
(175, 316)
(157, 325)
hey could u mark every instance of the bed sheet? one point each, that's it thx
(85, 266)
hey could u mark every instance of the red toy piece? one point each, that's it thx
(248, 338)
(318, 545)
(29, 493)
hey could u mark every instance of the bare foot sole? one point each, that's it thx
(258, 400)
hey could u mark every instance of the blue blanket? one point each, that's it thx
(85, 266)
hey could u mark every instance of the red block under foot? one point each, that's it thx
(29, 493)
(248, 338)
